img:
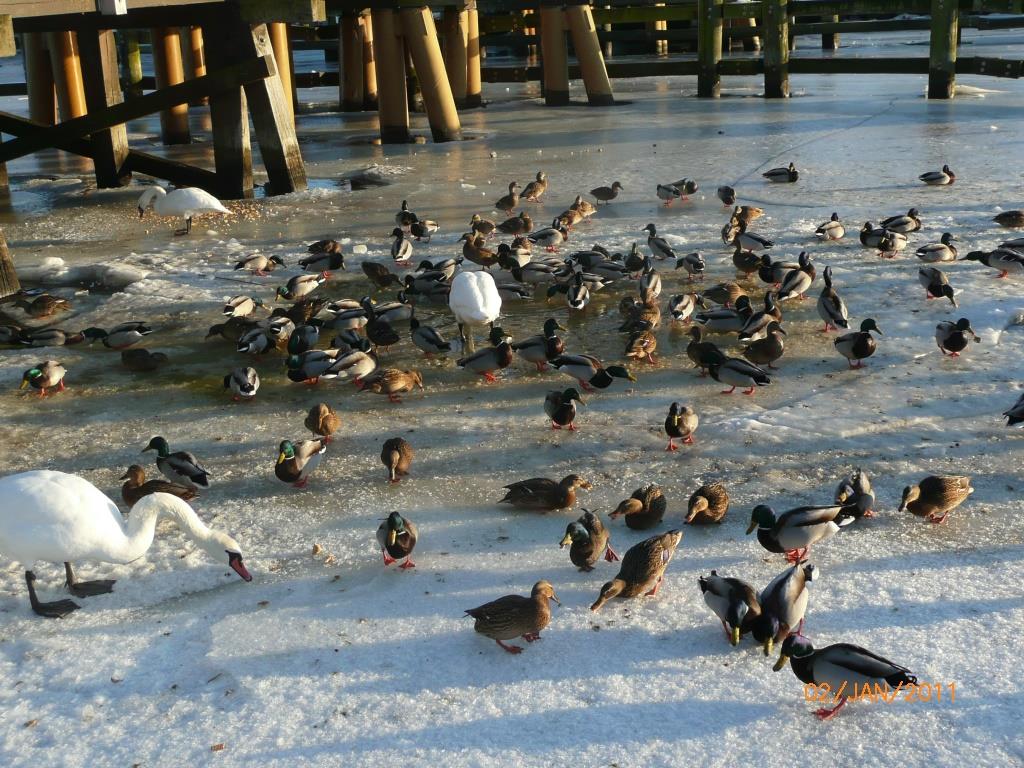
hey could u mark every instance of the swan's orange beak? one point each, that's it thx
(235, 561)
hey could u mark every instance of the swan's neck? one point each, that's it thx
(142, 525)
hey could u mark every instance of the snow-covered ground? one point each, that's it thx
(334, 660)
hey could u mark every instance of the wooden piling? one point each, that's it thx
(709, 47)
(369, 65)
(474, 89)
(9, 283)
(67, 73)
(775, 29)
(456, 60)
(131, 63)
(192, 47)
(438, 100)
(103, 89)
(42, 97)
(168, 68)
(608, 47)
(830, 40)
(278, 31)
(942, 52)
(588, 53)
(392, 103)
(554, 56)
(232, 146)
(350, 84)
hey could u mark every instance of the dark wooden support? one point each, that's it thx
(709, 47)
(103, 90)
(9, 283)
(830, 40)
(350, 36)
(232, 146)
(392, 100)
(42, 97)
(554, 55)
(942, 52)
(775, 29)
(167, 65)
(474, 53)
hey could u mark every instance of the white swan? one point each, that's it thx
(474, 300)
(58, 517)
(186, 203)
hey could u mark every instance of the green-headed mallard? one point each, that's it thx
(668, 193)
(322, 420)
(832, 229)
(794, 532)
(841, 667)
(774, 272)
(944, 250)
(536, 188)
(297, 461)
(785, 175)
(401, 247)
(515, 616)
(396, 455)
(659, 246)
(540, 349)
(936, 284)
(300, 286)
(308, 367)
(508, 203)
(427, 338)
(550, 237)
(831, 307)
(142, 360)
(856, 495)
(952, 338)
(783, 605)
(644, 509)
(423, 229)
(540, 493)
(733, 601)
(769, 349)
(241, 306)
(259, 264)
(683, 305)
(43, 305)
(324, 255)
(797, 281)
(724, 319)
(136, 486)
(703, 353)
(1012, 219)
(738, 373)
(121, 336)
(941, 178)
(708, 504)
(756, 326)
(680, 424)
(606, 194)
(642, 569)
(490, 359)
(904, 223)
(589, 540)
(44, 376)
(303, 338)
(391, 382)
(397, 539)
(686, 187)
(1006, 260)
(859, 344)
(405, 218)
(935, 496)
(243, 383)
(589, 372)
(180, 466)
(560, 406)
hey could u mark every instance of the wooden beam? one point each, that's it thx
(232, 147)
(775, 24)
(103, 90)
(456, 41)
(7, 45)
(352, 80)
(588, 53)
(298, 11)
(369, 62)
(131, 63)
(392, 100)
(42, 97)
(942, 49)
(474, 53)
(278, 32)
(709, 48)
(554, 56)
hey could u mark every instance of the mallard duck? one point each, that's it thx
(782, 175)
(733, 601)
(944, 250)
(424, 228)
(255, 342)
(858, 345)
(783, 605)
(397, 538)
(396, 455)
(121, 336)
(683, 305)
(43, 305)
(322, 420)
(634, 260)
(515, 616)
(774, 272)
(324, 255)
(540, 493)
(725, 294)
(518, 254)
(378, 330)
(427, 338)
(136, 486)
(356, 364)
(509, 202)
(481, 226)
(302, 339)
(724, 319)
(606, 194)
(938, 178)
(686, 187)
(243, 383)
(856, 495)
(302, 312)
(745, 214)
(550, 237)
(644, 509)
(680, 424)
(641, 346)
(936, 496)
(589, 372)
(746, 262)
(953, 337)
(310, 366)
(887, 243)
(750, 241)
(794, 532)
(301, 285)
(798, 281)
(738, 373)
(379, 275)
(540, 349)
(517, 225)
(178, 467)
(1006, 260)
(668, 193)
(831, 307)
(44, 376)
(490, 359)
(589, 540)
(708, 504)
(703, 353)
(560, 406)
(642, 569)
(1015, 414)
(659, 246)
(727, 195)
(577, 291)
(904, 223)
(232, 330)
(1011, 219)
(401, 247)
(391, 382)
(832, 229)
(694, 265)
(346, 341)
(142, 360)
(297, 461)
(259, 264)
(242, 306)
(767, 350)
(405, 218)
(536, 188)
(841, 667)
(15, 334)
(756, 326)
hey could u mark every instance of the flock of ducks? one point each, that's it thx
(72, 520)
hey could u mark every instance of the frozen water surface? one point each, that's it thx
(333, 659)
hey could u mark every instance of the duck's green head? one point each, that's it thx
(763, 516)
(293, 362)
(573, 394)
(550, 326)
(281, 293)
(870, 325)
(574, 532)
(497, 336)
(94, 334)
(618, 372)
(159, 445)
(764, 629)
(285, 451)
(30, 376)
(734, 616)
(794, 646)
(396, 527)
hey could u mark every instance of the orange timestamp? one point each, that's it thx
(881, 692)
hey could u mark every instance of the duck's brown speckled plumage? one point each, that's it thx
(708, 504)
(515, 616)
(542, 493)
(642, 568)
(936, 495)
(644, 509)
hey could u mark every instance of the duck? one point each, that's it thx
(708, 504)
(668, 193)
(121, 336)
(255, 342)
(560, 407)
(509, 202)
(474, 300)
(767, 350)
(517, 225)
(858, 345)
(832, 229)
(396, 455)
(1015, 414)
(324, 255)
(490, 359)
(43, 305)
(233, 330)
(243, 383)
(756, 326)
(841, 667)
(587, 539)
(856, 495)
(179, 467)
(797, 281)
(746, 214)
(891, 243)
(644, 509)
(136, 486)
(45, 375)
(356, 364)
(405, 218)
(58, 517)
(297, 461)
(726, 320)
(15, 334)
(323, 421)
(427, 339)
(542, 348)
(312, 365)
(301, 285)
(683, 305)
(785, 175)
(606, 194)
(694, 265)
(733, 601)
(942, 178)
(774, 272)
(142, 360)
(634, 260)
(401, 248)
(589, 371)
(542, 494)
(536, 188)
(392, 382)
(1010, 219)
(641, 346)
(871, 236)
(725, 294)
(397, 537)
(259, 264)
(241, 306)
(953, 337)
(794, 532)
(379, 275)
(423, 229)
(378, 330)
(746, 262)
(184, 202)
(903, 224)
(727, 195)
(1006, 260)
(680, 424)
(650, 281)
(642, 569)
(749, 241)
(944, 250)
(686, 187)
(302, 312)
(550, 237)
(518, 254)
(936, 496)
(43, 337)
(703, 353)
(739, 373)
(831, 307)
(659, 246)
(577, 291)
(302, 339)
(640, 316)
(514, 616)
(481, 226)
(783, 605)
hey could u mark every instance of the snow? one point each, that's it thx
(331, 659)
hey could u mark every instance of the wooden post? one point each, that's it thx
(830, 40)
(102, 90)
(608, 47)
(42, 98)
(588, 52)
(67, 73)
(942, 55)
(474, 89)
(554, 56)
(412, 81)
(167, 65)
(131, 63)
(709, 47)
(9, 283)
(775, 28)
(791, 37)
(393, 104)
(350, 84)
(456, 63)
(232, 148)
(369, 65)
(421, 37)
(192, 49)
(279, 41)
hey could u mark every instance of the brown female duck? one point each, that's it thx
(708, 504)
(642, 569)
(644, 509)
(137, 486)
(396, 455)
(540, 493)
(936, 496)
(515, 616)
